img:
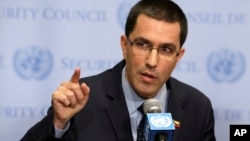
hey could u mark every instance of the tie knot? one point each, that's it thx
(140, 108)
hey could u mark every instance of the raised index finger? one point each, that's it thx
(75, 76)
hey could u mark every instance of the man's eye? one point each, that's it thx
(141, 44)
(166, 49)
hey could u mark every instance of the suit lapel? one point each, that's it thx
(116, 107)
(174, 108)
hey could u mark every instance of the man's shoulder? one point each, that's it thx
(187, 93)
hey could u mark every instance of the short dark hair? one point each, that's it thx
(165, 10)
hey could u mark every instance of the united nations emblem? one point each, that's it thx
(225, 66)
(122, 13)
(33, 63)
(160, 121)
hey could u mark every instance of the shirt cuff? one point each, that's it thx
(60, 132)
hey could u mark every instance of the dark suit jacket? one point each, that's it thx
(106, 117)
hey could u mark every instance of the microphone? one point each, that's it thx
(158, 126)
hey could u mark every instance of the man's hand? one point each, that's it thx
(68, 99)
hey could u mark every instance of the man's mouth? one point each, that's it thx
(148, 77)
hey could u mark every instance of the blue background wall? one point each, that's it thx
(41, 42)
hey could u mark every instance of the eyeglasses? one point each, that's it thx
(143, 48)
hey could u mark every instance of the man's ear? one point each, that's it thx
(181, 53)
(123, 43)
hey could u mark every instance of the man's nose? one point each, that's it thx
(152, 58)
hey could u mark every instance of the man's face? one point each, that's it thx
(147, 73)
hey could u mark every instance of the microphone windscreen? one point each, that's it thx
(152, 106)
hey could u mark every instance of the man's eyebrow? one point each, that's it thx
(167, 44)
(141, 38)
(172, 45)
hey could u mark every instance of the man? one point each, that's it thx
(104, 106)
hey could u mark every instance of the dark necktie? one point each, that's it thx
(140, 128)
